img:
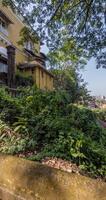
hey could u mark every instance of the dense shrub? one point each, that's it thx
(56, 128)
(72, 82)
(10, 108)
(101, 114)
(14, 143)
(23, 81)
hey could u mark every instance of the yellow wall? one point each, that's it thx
(41, 77)
(44, 82)
(14, 35)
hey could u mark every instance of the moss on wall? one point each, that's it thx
(21, 179)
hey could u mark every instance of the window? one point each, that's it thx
(3, 27)
(29, 46)
(3, 68)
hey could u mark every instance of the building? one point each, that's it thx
(28, 58)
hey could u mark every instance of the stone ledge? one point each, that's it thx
(26, 180)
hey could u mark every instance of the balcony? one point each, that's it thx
(29, 46)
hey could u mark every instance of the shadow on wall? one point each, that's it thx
(26, 180)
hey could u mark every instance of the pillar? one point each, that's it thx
(11, 66)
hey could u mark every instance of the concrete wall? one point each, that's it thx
(25, 180)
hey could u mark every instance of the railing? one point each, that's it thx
(14, 92)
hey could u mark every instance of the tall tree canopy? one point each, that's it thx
(59, 21)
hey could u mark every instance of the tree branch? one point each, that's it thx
(59, 6)
(60, 3)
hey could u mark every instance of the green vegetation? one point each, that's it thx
(72, 26)
(48, 123)
(70, 81)
(101, 114)
(53, 123)
(23, 81)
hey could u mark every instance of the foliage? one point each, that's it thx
(67, 55)
(47, 121)
(57, 21)
(13, 143)
(10, 108)
(51, 125)
(101, 114)
(23, 81)
(71, 81)
(27, 35)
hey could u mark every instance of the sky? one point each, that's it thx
(96, 78)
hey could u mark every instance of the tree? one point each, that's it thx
(70, 81)
(84, 21)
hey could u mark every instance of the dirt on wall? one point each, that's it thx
(25, 180)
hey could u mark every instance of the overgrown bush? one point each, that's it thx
(14, 143)
(101, 114)
(10, 108)
(23, 81)
(56, 128)
(72, 82)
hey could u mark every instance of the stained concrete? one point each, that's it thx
(25, 180)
